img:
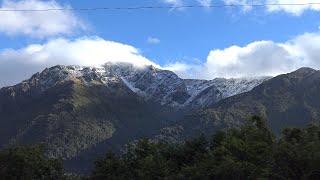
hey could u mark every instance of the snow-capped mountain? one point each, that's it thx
(150, 83)
(167, 88)
(58, 74)
(79, 112)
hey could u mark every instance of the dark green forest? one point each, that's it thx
(29, 162)
(251, 151)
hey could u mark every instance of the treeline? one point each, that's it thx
(249, 152)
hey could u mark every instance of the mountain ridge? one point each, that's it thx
(287, 100)
(150, 83)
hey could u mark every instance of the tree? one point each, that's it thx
(29, 162)
(297, 154)
(248, 152)
(109, 167)
(239, 153)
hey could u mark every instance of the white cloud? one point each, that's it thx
(173, 2)
(294, 10)
(258, 58)
(153, 40)
(261, 58)
(19, 64)
(37, 24)
(184, 70)
(205, 3)
(245, 4)
(283, 6)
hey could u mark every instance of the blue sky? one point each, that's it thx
(194, 42)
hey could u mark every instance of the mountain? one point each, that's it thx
(166, 88)
(288, 100)
(79, 112)
(72, 109)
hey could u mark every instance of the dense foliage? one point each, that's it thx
(29, 162)
(249, 152)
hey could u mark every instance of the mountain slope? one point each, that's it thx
(289, 100)
(72, 112)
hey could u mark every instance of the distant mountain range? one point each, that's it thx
(80, 112)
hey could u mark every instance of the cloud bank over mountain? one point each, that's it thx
(260, 58)
(19, 64)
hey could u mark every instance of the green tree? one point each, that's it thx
(109, 167)
(147, 159)
(297, 154)
(239, 153)
(29, 162)
(248, 152)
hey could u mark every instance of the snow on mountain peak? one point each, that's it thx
(167, 88)
(149, 82)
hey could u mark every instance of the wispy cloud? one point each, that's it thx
(205, 3)
(173, 2)
(245, 4)
(283, 6)
(294, 10)
(153, 40)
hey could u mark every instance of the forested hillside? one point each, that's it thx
(251, 151)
